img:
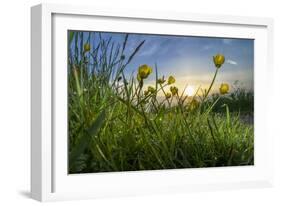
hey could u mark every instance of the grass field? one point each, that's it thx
(117, 123)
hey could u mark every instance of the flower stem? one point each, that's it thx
(214, 78)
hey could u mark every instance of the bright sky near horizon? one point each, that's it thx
(190, 59)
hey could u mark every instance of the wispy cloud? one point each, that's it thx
(150, 50)
(229, 61)
(227, 41)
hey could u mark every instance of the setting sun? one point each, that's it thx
(190, 91)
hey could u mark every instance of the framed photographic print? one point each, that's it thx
(135, 102)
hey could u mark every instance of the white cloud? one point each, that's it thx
(146, 51)
(229, 61)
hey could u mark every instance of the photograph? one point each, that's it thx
(139, 101)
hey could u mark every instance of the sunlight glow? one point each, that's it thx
(190, 91)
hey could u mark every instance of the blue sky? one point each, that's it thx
(190, 59)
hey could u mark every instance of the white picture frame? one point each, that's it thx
(49, 178)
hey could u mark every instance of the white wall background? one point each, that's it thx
(15, 101)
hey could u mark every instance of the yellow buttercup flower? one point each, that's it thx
(168, 95)
(87, 47)
(161, 80)
(174, 90)
(224, 88)
(171, 80)
(144, 71)
(151, 89)
(218, 60)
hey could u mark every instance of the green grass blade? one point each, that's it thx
(135, 52)
(84, 141)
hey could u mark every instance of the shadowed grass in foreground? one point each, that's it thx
(115, 124)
